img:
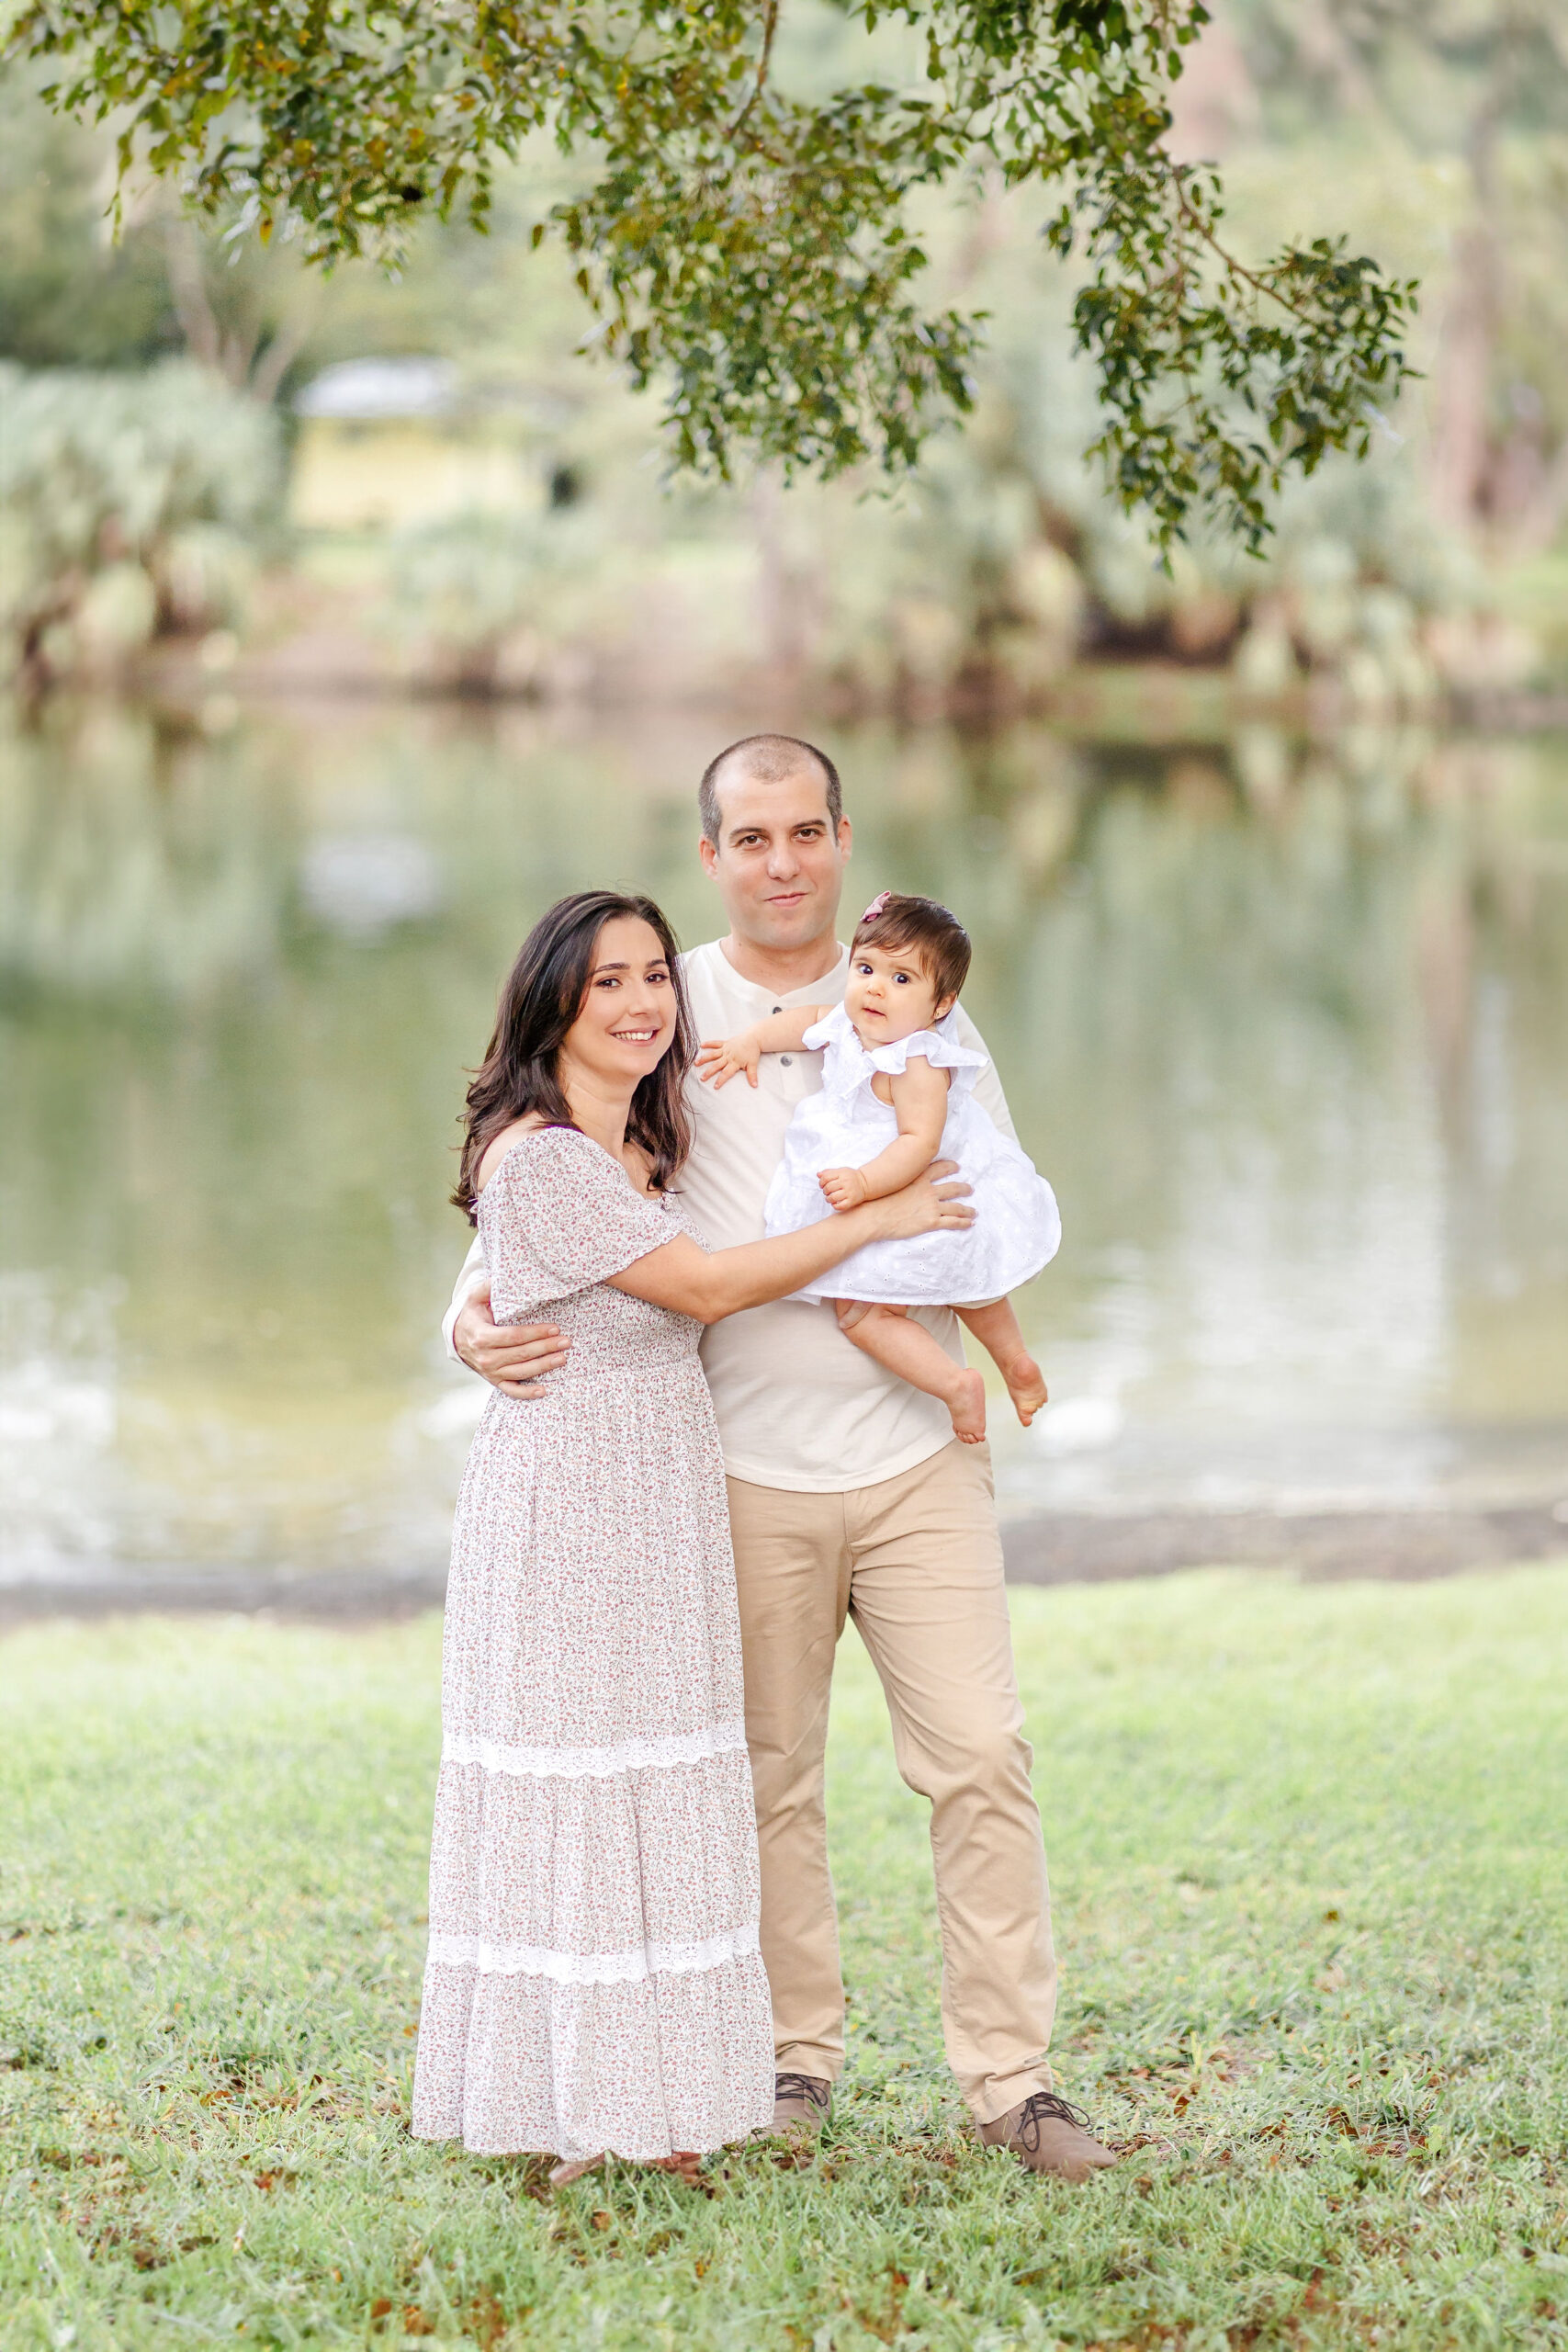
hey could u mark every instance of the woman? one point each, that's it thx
(593, 1982)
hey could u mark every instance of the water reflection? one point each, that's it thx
(1286, 1025)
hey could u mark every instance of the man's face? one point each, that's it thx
(778, 863)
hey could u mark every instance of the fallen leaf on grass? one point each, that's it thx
(144, 2253)
(485, 2320)
(886, 2326)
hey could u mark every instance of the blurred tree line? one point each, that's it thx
(147, 387)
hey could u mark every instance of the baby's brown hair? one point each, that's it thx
(897, 918)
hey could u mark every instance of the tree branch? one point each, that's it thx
(188, 290)
(770, 26)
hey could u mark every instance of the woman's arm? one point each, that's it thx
(919, 1105)
(722, 1058)
(712, 1285)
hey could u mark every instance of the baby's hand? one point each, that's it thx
(722, 1058)
(845, 1188)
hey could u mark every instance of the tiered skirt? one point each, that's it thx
(594, 1980)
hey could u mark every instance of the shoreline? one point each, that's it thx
(1415, 1546)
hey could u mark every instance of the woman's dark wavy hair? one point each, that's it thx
(544, 993)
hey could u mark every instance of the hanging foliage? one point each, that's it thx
(754, 254)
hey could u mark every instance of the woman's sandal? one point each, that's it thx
(563, 2172)
(686, 2162)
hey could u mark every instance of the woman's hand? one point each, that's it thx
(722, 1058)
(934, 1203)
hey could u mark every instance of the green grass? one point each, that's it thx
(1312, 1901)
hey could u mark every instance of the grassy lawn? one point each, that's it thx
(1311, 1868)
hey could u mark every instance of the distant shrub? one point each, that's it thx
(129, 505)
(480, 601)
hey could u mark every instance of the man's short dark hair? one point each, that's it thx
(768, 758)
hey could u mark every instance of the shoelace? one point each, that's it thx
(1042, 2107)
(806, 2087)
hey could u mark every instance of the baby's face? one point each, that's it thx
(889, 995)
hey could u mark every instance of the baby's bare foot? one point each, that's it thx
(967, 1406)
(1026, 1386)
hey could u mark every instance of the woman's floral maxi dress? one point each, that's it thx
(592, 1980)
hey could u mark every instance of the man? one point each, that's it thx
(848, 1496)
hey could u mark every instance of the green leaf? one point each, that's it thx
(753, 255)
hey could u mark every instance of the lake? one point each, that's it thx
(1285, 1022)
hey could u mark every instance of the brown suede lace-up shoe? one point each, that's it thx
(802, 2103)
(1049, 2134)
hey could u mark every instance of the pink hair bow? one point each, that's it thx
(876, 906)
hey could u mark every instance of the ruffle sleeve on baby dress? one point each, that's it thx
(559, 1214)
(939, 1046)
(833, 1026)
(849, 1065)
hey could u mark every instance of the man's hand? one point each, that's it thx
(722, 1058)
(933, 1202)
(845, 1187)
(513, 1357)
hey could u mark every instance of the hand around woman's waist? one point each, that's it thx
(513, 1357)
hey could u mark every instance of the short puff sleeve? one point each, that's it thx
(831, 1030)
(939, 1046)
(559, 1215)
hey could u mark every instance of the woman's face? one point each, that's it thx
(627, 1024)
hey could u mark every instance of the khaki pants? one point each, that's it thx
(916, 1561)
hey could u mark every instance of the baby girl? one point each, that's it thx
(895, 1096)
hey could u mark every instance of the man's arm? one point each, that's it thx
(987, 1086)
(513, 1357)
(473, 1276)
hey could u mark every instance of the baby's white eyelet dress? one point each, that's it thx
(1017, 1229)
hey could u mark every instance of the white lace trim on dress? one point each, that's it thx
(596, 1763)
(850, 1065)
(939, 1046)
(595, 1967)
